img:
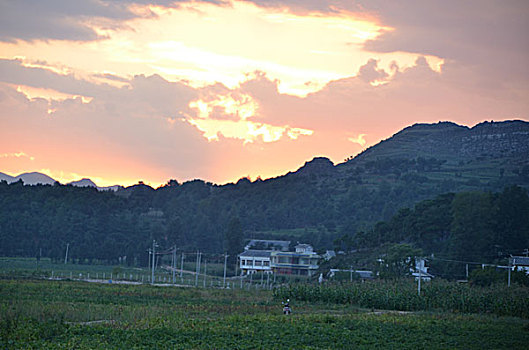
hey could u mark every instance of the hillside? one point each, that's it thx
(315, 204)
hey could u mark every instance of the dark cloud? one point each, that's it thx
(13, 72)
(300, 6)
(55, 19)
(66, 19)
(487, 36)
(371, 73)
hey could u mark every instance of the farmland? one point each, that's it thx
(71, 314)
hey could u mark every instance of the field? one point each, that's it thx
(80, 315)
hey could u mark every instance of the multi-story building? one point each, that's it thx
(303, 262)
(251, 261)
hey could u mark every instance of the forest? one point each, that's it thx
(102, 226)
(448, 190)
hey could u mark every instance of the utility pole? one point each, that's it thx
(467, 271)
(420, 278)
(66, 256)
(225, 263)
(153, 260)
(205, 271)
(509, 276)
(197, 270)
(182, 266)
(173, 264)
(351, 273)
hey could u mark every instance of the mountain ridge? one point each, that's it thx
(36, 178)
(316, 204)
(445, 140)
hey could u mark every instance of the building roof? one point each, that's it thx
(296, 254)
(303, 245)
(267, 244)
(520, 260)
(255, 253)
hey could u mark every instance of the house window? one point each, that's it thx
(266, 263)
(258, 263)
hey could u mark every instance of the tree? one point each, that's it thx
(399, 259)
(234, 239)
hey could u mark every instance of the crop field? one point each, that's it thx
(79, 315)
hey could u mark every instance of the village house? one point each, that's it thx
(302, 262)
(252, 261)
(268, 256)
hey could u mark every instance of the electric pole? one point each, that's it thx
(197, 270)
(153, 260)
(225, 263)
(509, 276)
(173, 265)
(205, 271)
(182, 267)
(419, 283)
(66, 256)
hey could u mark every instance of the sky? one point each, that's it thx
(122, 91)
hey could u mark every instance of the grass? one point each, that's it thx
(45, 268)
(53, 314)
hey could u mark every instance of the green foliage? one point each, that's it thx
(234, 240)
(487, 277)
(402, 295)
(44, 315)
(453, 229)
(320, 204)
(398, 261)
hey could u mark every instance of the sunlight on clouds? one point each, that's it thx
(358, 139)
(201, 43)
(241, 107)
(204, 43)
(48, 94)
(20, 154)
(233, 121)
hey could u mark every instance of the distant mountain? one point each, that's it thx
(8, 178)
(35, 179)
(449, 141)
(83, 183)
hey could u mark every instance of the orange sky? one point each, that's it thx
(129, 91)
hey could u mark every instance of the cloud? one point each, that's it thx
(20, 154)
(478, 35)
(485, 36)
(143, 130)
(14, 72)
(70, 20)
(370, 72)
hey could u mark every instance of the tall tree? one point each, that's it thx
(234, 239)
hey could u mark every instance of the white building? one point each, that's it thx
(252, 261)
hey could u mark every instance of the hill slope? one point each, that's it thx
(315, 204)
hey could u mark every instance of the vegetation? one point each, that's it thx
(451, 230)
(402, 295)
(60, 315)
(316, 204)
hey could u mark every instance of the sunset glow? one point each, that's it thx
(126, 91)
